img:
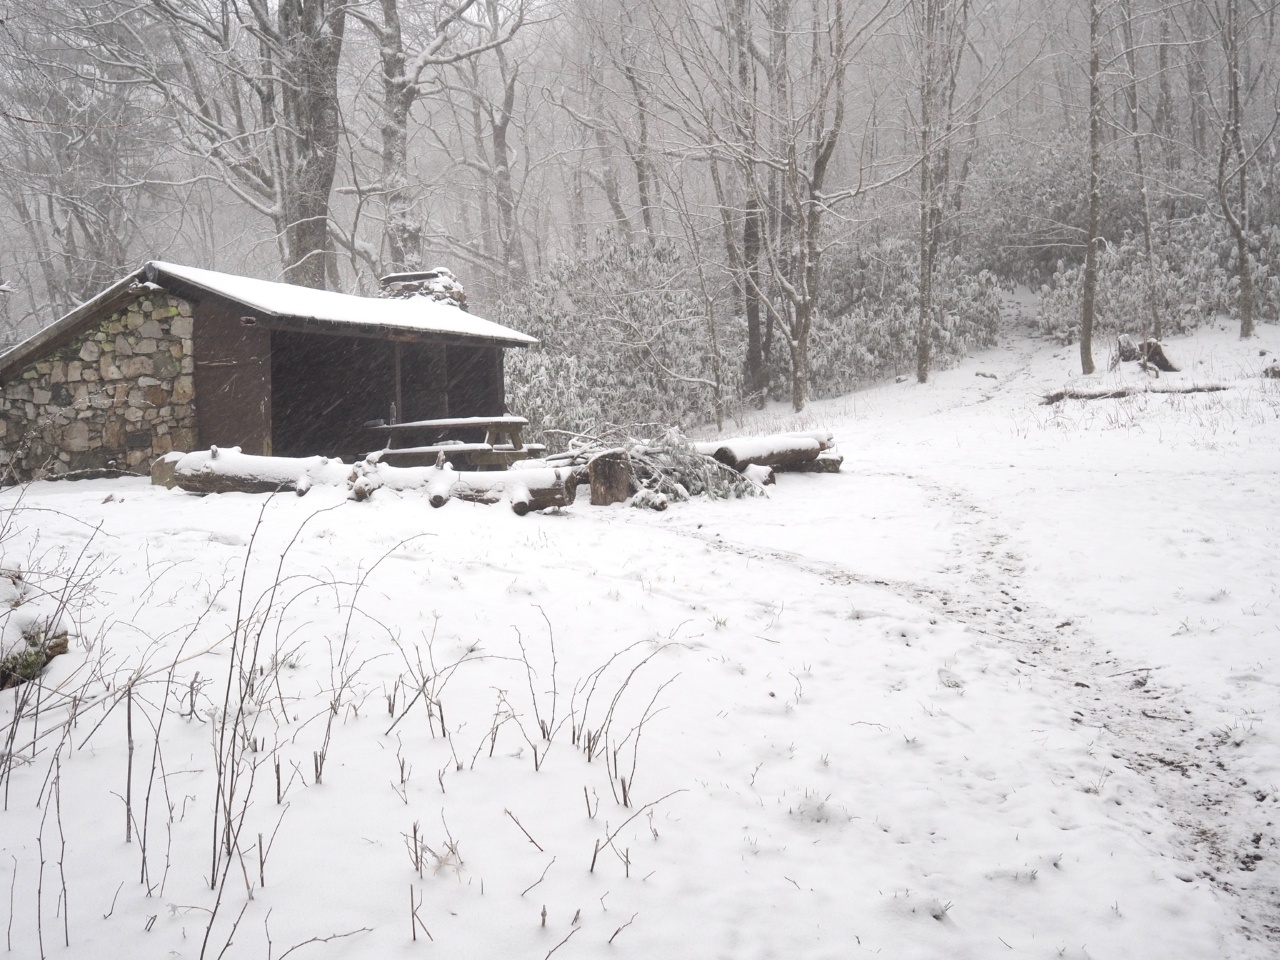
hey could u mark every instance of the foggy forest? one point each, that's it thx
(696, 205)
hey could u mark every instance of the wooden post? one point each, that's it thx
(400, 414)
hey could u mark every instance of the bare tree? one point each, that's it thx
(412, 51)
(1241, 81)
(252, 89)
(1133, 109)
(1092, 240)
(940, 29)
(778, 146)
(77, 167)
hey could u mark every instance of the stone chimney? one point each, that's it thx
(437, 284)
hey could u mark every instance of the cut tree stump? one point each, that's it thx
(610, 476)
(1149, 353)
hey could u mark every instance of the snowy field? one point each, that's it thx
(1005, 686)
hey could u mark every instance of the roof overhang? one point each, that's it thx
(285, 306)
(65, 328)
(279, 306)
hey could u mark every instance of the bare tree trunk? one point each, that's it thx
(310, 34)
(402, 233)
(1231, 149)
(1153, 323)
(1095, 188)
(942, 34)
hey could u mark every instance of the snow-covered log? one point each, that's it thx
(1091, 392)
(227, 470)
(778, 450)
(759, 474)
(525, 490)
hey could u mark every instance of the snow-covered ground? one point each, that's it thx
(1005, 686)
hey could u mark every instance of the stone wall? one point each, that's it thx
(118, 395)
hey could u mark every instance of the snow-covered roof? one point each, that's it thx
(299, 307)
(287, 300)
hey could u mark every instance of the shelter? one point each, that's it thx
(174, 357)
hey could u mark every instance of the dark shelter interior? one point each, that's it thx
(325, 389)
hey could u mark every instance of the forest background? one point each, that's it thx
(696, 205)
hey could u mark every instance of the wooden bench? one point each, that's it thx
(503, 442)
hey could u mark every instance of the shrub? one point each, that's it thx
(1195, 281)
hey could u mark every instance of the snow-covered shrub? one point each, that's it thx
(870, 310)
(1195, 281)
(40, 596)
(625, 340)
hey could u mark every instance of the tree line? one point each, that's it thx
(713, 202)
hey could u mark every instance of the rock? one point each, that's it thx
(137, 367)
(90, 351)
(164, 366)
(76, 437)
(183, 389)
(113, 434)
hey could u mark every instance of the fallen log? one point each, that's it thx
(525, 490)
(1112, 393)
(826, 462)
(777, 450)
(227, 470)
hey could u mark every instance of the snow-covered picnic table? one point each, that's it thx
(503, 441)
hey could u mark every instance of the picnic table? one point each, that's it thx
(502, 446)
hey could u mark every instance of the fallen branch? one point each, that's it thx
(1112, 393)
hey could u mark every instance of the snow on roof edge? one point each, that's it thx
(283, 300)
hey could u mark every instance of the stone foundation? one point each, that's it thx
(118, 395)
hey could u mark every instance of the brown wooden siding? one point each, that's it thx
(232, 378)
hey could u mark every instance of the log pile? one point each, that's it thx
(230, 471)
(652, 473)
(642, 473)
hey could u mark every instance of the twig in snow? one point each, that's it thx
(523, 830)
(540, 879)
(624, 926)
(562, 942)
